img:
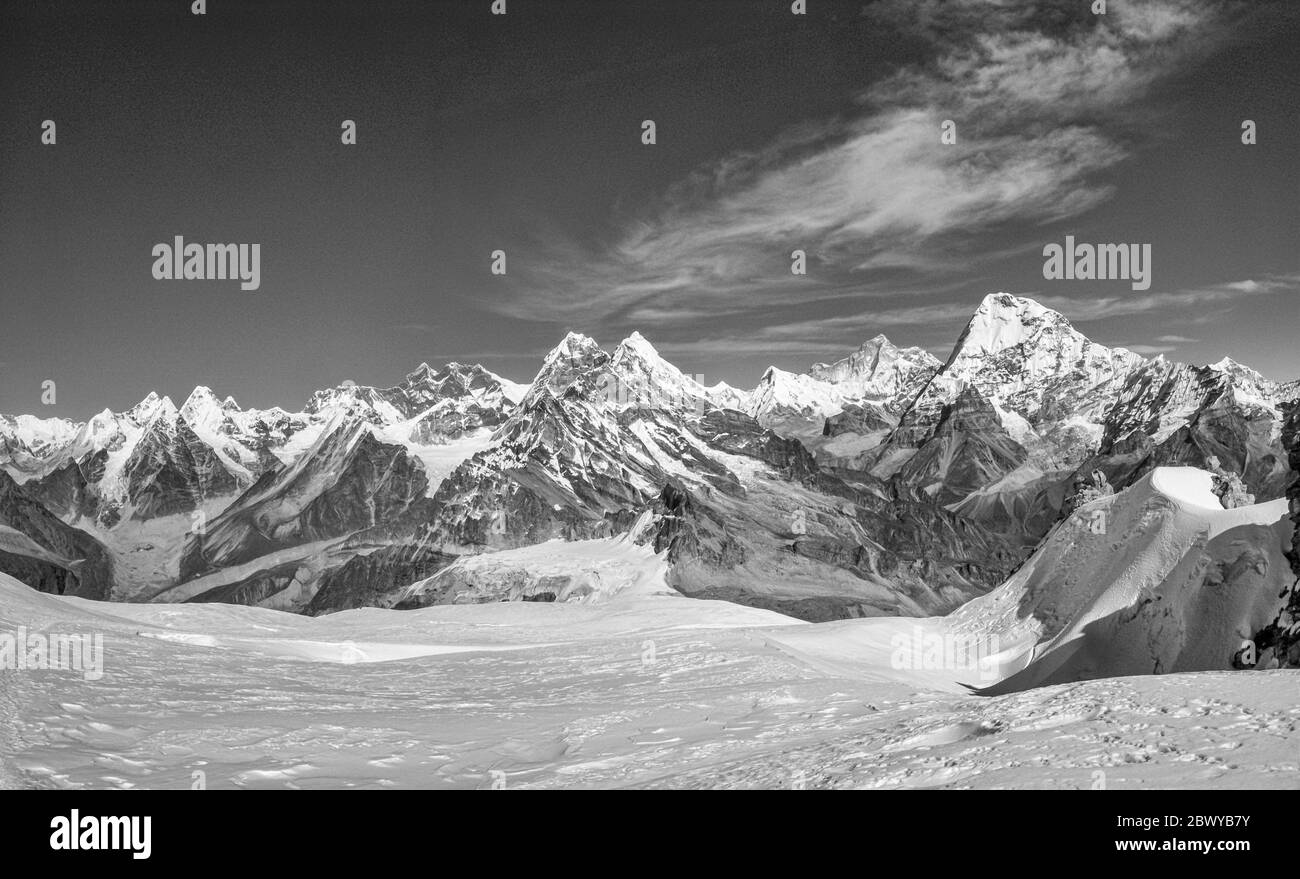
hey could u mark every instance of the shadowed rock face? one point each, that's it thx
(1213, 414)
(1291, 438)
(967, 450)
(739, 434)
(935, 560)
(40, 575)
(90, 574)
(349, 481)
(1283, 636)
(375, 579)
(849, 529)
(68, 490)
(253, 589)
(858, 418)
(172, 471)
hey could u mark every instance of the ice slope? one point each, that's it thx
(642, 692)
(1173, 583)
(638, 600)
(1156, 579)
(586, 571)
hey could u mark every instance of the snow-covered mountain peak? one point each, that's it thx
(636, 354)
(1230, 367)
(574, 351)
(573, 345)
(1248, 386)
(880, 371)
(780, 394)
(39, 436)
(1003, 321)
(162, 412)
(636, 344)
(202, 407)
(640, 375)
(453, 399)
(424, 374)
(575, 356)
(1037, 371)
(144, 411)
(512, 391)
(1017, 339)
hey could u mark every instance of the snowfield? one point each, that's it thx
(620, 682)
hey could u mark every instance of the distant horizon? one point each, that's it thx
(438, 363)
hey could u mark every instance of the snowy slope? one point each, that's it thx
(1156, 579)
(649, 692)
(584, 571)
(1175, 583)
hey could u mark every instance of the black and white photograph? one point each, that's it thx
(650, 394)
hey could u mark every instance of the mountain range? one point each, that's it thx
(885, 483)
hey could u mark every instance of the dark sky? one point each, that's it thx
(522, 133)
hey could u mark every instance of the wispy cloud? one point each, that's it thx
(833, 335)
(839, 334)
(874, 198)
(1084, 310)
(1165, 344)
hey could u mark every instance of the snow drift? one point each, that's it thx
(1157, 579)
(1154, 580)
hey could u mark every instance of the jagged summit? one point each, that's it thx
(574, 344)
(1021, 354)
(147, 408)
(1003, 321)
(879, 370)
(1231, 367)
(423, 373)
(202, 405)
(638, 342)
(164, 411)
(574, 350)
(576, 355)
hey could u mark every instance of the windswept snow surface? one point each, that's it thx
(630, 685)
(589, 571)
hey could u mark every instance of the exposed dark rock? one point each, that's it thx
(1282, 638)
(90, 574)
(861, 418)
(172, 471)
(374, 579)
(967, 450)
(350, 481)
(254, 589)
